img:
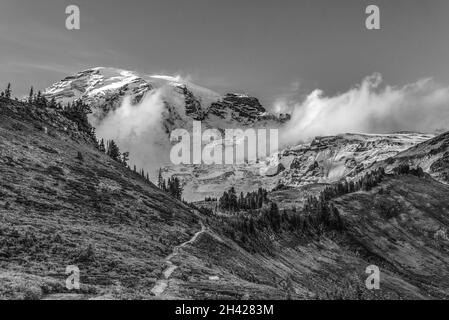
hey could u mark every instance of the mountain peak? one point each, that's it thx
(104, 89)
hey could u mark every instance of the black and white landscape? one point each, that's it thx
(354, 203)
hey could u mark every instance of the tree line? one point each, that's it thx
(320, 211)
(319, 214)
(229, 201)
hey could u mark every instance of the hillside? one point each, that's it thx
(57, 210)
(131, 240)
(400, 226)
(405, 223)
(431, 155)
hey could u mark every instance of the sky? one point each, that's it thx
(268, 49)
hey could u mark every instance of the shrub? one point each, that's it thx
(87, 254)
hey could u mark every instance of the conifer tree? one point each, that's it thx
(113, 150)
(160, 179)
(8, 91)
(31, 95)
(125, 158)
(38, 99)
(101, 147)
(53, 103)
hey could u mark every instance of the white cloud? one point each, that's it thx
(138, 129)
(370, 107)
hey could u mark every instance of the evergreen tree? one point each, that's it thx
(224, 201)
(232, 199)
(173, 187)
(38, 99)
(76, 112)
(101, 147)
(52, 103)
(275, 217)
(241, 202)
(8, 91)
(125, 158)
(160, 180)
(31, 95)
(113, 150)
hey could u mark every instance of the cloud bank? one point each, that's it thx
(369, 107)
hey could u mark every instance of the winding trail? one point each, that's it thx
(162, 284)
(158, 289)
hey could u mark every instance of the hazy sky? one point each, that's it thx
(264, 48)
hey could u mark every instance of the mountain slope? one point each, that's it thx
(405, 223)
(409, 244)
(431, 155)
(57, 210)
(329, 159)
(323, 160)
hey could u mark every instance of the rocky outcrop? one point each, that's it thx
(193, 105)
(239, 107)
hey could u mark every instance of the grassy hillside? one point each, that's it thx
(404, 223)
(401, 226)
(57, 210)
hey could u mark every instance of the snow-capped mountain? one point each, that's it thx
(105, 88)
(323, 160)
